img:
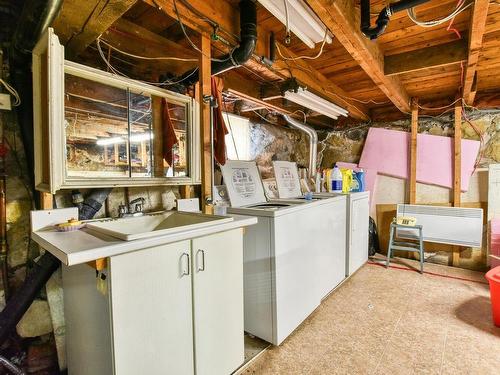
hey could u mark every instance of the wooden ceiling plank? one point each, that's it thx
(227, 17)
(476, 33)
(104, 14)
(342, 18)
(431, 57)
(132, 38)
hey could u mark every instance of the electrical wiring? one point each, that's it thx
(439, 108)
(287, 23)
(263, 118)
(145, 57)
(13, 92)
(453, 29)
(320, 52)
(461, 6)
(195, 47)
(302, 113)
(119, 73)
(358, 100)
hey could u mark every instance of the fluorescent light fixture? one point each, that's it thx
(110, 141)
(302, 21)
(133, 138)
(141, 137)
(315, 103)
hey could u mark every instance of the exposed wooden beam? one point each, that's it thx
(205, 90)
(342, 18)
(431, 57)
(413, 151)
(227, 17)
(457, 171)
(86, 28)
(476, 32)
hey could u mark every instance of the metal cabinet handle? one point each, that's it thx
(184, 272)
(202, 267)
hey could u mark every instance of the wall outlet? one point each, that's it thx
(5, 102)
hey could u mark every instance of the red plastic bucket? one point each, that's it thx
(493, 277)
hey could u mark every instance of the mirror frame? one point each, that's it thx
(49, 48)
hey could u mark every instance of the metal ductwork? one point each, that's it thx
(239, 55)
(383, 17)
(313, 142)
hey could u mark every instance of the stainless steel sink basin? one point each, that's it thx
(133, 228)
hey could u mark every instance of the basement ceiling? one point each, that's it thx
(341, 74)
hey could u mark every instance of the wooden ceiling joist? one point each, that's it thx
(227, 18)
(431, 57)
(95, 17)
(342, 18)
(476, 33)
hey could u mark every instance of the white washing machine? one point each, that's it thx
(281, 254)
(332, 265)
(358, 218)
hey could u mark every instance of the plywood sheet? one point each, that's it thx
(386, 151)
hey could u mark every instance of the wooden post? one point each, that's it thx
(457, 171)
(204, 91)
(185, 191)
(413, 151)
(46, 201)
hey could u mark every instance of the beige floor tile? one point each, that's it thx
(389, 321)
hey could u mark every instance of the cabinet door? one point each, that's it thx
(151, 306)
(218, 302)
(359, 234)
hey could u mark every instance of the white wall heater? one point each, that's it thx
(448, 225)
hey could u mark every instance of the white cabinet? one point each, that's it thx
(170, 309)
(218, 303)
(151, 304)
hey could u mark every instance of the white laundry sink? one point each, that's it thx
(133, 228)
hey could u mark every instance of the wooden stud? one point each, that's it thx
(457, 179)
(457, 172)
(46, 201)
(205, 91)
(413, 151)
(476, 33)
(185, 191)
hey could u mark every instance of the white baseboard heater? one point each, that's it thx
(447, 225)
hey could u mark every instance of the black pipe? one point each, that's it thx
(239, 55)
(383, 17)
(35, 17)
(93, 203)
(24, 296)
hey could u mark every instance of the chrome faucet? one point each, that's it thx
(135, 208)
